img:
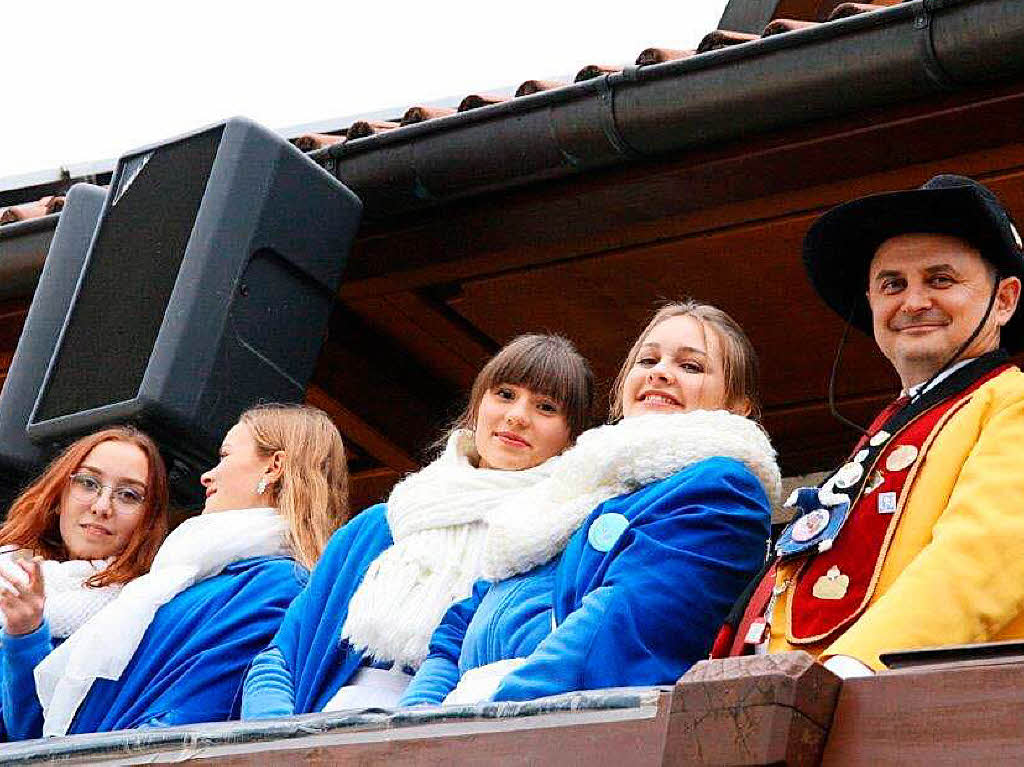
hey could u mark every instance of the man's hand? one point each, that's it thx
(22, 601)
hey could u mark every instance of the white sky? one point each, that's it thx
(87, 81)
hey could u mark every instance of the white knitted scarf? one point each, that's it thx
(437, 520)
(609, 461)
(394, 615)
(69, 602)
(199, 548)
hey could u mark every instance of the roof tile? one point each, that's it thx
(723, 38)
(536, 86)
(658, 55)
(29, 210)
(364, 128)
(590, 71)
(780, 26)
(843, 10)
(477, 100)
(309, 142)
(420, 114)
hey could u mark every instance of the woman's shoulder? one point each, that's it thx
(369, 527)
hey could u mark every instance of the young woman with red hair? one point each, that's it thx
(92, 522)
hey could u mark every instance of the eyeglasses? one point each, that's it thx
(125, 499)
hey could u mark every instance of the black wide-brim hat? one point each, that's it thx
(839, 246)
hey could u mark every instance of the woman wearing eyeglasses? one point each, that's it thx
(90, 524)
(172, 648)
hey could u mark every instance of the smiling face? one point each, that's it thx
(678, 369)
(517, 428)
(927, 293)
(102, 527)
(231, 484)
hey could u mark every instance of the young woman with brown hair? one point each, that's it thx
(91, 523)
(173, 646)
(364, 621)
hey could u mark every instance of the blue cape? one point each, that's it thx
(191, 661)
(307, 662)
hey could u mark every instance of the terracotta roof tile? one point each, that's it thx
(658, 55)
(536, 86)
(590, 71)
(29, 210)
(779, 26)
(844, 10)
(723, 38)
(477, 100)
(415, 115)
(309, 142)
(364, 128)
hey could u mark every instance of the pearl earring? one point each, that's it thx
(261, 486)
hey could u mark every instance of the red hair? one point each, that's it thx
(33, 521)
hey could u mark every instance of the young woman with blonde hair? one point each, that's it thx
(619, 568)
(173, 646)
(363, 623)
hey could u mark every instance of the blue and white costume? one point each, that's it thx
(381, 588)
(173, 647)
(676, 521)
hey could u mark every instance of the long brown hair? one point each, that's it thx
(545, 364)
(33, 521)
(312, 493)
(739, 360)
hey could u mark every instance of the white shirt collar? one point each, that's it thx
(921, 388)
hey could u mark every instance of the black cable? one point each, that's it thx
(832, 377)
(970, 339)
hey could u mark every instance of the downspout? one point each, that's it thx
(905, 52)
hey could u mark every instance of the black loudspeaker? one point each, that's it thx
(207, 289)
(20, 459)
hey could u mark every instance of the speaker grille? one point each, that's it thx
(129, 277)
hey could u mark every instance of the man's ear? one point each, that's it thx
(1007, 298)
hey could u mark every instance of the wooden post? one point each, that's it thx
(773, 709)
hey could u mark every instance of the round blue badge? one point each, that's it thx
(605, 530)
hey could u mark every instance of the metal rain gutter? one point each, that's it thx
(904, 52)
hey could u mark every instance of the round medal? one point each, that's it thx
(901, 458)
(861, 456)
(809, 525)
(878, 438)
(848, 475)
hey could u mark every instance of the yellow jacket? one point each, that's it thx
(954, 572)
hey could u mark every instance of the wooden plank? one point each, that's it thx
(930, 717)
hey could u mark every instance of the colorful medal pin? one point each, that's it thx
(809, 525)
(878, 438)
(848, 475)
(832, 585)
(886, 503)
(817, 526)
(901, 458)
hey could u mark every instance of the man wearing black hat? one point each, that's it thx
(918, 540)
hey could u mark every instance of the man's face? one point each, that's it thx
(928, 292)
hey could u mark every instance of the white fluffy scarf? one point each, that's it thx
(437, 520)
(526, 525)
(199, 548)
(69, 602)
(612, 460)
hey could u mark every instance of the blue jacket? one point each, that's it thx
(637, 595)
(21, 717)
(307, 662)
(190, 663)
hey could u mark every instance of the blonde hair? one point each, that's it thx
(312, 492)
(545, 364)
(739, 360)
